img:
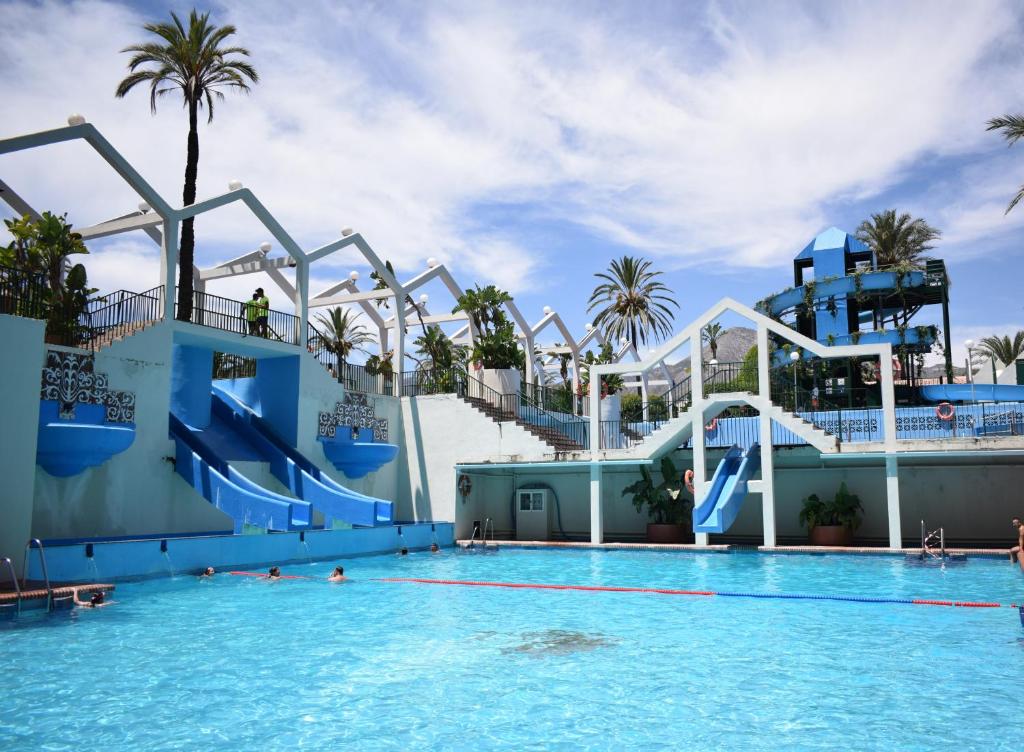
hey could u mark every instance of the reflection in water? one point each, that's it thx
(558, 642)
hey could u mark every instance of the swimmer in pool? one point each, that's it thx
(274, 573)
(404, 551)
(434, 548)
(1017, 552)
(207, 573)
(338, 575)
(96, 600)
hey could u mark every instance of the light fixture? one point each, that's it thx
(713, 362)
(234, 185)
(346, 231)
(547, 310)
(431, 262)
(623, 341)
(265, 247)
(75, 119)
(589, 326)
(353, 275)
(969, 343)
(424, 298)
(794, 356)
(144, 207)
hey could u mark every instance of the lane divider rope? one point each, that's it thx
(723, 594)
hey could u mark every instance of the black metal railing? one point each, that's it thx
(427, 381)
(730, 377)
(230, 316)
(574, 430)
(22, 293)
(231, 366)
(121, 313)
(558, 398)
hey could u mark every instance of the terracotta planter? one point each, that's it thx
(831, 535)
(663, 533)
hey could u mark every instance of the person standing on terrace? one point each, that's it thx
(262, 311)
(1017, 552)
(252, 312)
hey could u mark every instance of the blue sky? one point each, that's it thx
(527, 144)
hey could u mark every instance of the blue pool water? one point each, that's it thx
(244, 664)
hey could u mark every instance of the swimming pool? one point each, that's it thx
(240, 663)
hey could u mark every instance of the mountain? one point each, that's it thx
(733, 345)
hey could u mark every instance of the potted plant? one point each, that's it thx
(611, 404)
(667, 505)
(831, 523)
(495, 354)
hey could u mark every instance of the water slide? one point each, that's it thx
(728, 490)
(973, 393)
(293, 469)
(227, 489)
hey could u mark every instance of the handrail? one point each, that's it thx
(22, 293)
(130, 310)
(488, 522)
(14, 578)
(38, 544)
(228, 315)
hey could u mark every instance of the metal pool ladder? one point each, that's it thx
(928, 541)
(489, 523)
(38, 544)
(14, 578)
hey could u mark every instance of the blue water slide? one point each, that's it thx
(728, 490)
(296, 471)
(227, 489)
(973, 393)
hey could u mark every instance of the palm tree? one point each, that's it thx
(1003, 349)
(710, 337)
(438, 349)
(193, 61)
(897, 240)
(1012, 127)
(632, 302)
(342, 334)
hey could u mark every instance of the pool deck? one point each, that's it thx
(732, 548)
(8, 596)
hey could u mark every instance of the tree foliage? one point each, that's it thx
(898, 240)
(1004, 349)
(1012, 127)
(632, 302)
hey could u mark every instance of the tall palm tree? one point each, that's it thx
(1004, 349)
(632, 302)
(342, 333)
(193, 61)
(710, 336)
(897, 239)
(437, 348)
(1012, 127)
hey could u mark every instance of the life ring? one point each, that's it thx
(465, 485)
(712, 426)
(688, 480)
(945, 411)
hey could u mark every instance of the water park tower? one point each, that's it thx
(842, 296)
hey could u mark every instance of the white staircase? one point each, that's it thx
(816, 437)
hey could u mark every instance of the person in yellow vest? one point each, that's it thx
(251, 311)
(263, 310)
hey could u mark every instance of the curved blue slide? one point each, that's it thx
(296, 471)
(973, 393)
(227, 489)
(728, 490)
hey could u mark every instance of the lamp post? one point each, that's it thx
(969, 344)
(713, 363)
(794, 358)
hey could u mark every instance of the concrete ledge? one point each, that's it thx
(141, 559)
(722, 548)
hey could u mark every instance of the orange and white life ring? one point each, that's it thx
(712, 426)
(945, 411)
(688, 480)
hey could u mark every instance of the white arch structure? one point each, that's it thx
(161, 222)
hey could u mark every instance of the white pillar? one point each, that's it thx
(302, 298)
(398, 359)
(892, 495)
(527, 343)
(596, 517)
(168, 266)
(767, 481)
(697, 398)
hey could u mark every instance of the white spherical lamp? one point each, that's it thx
(75, 119)
(431, 262)
(353, 275)
(424, 298)
(969, 343)
(794, 356)
(144, 207)
(346, 231)
(547, 310)
(265, 247)
(234, 185)
(589, 326)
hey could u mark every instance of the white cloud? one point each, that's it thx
(729, 141)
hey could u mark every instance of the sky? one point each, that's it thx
(527, 144)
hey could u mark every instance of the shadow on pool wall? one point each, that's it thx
(969, 499)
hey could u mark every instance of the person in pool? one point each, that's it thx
(1017, 552)
(338, 575)
(274, 573)
(404, 551)
(96, 600)
(434, 548)
(207, 573)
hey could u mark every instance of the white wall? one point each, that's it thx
(439, 432)
(19, 418)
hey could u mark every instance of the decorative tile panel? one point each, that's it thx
(355, 411)
(70, 379)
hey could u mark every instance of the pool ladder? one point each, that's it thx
(38, 544)
(489, 525)
(14, 578)
(928, 541)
